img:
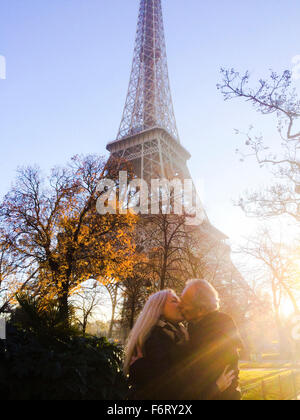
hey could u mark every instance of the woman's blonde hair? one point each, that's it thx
(147, 319)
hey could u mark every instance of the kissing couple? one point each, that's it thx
(167, 361)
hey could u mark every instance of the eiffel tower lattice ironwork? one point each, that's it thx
(148, 135)
(149, 101)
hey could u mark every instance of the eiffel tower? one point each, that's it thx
(148, 136)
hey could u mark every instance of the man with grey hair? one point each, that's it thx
(213, 345)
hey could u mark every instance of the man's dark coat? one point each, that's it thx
(214, 344)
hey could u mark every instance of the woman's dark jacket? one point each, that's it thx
(156, 375)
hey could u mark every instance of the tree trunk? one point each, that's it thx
(132, 314)
(284, 346)
(84, 325)
(114, 298)
(112, 321)
(276, 306)
(63, 302)
(163, 274)
(292, 298)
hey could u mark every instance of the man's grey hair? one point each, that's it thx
(205, 298)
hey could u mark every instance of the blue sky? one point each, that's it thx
(68, 67)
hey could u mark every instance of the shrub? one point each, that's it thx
(74, 368)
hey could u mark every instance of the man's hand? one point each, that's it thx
(225, 379)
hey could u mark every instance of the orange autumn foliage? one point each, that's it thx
(54, 226)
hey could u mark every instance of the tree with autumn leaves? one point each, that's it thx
(54, 237)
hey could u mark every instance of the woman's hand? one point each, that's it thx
(225, 379)
(139, 355)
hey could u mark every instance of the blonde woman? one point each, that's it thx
(156, 351)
